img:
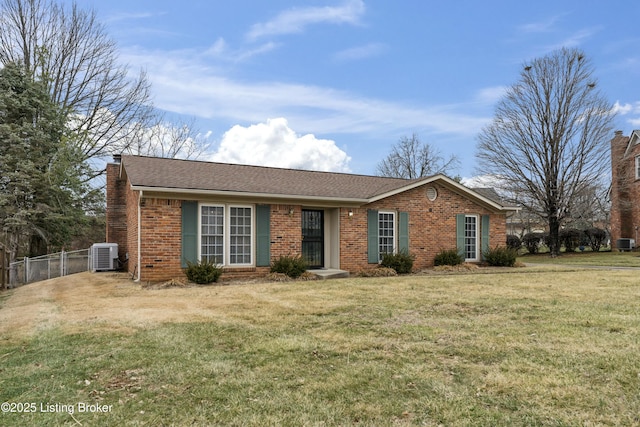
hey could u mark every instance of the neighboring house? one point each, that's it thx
(165, 212)
(625, 186)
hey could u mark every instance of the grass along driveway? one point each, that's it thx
(541, 346)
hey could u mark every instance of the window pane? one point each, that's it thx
(386, 233)
(470, 237)
(212, 234)
(240, 236)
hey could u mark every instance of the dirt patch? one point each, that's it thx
(108, 301)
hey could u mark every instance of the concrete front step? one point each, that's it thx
(329, 273)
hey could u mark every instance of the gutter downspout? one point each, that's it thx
(139, 236)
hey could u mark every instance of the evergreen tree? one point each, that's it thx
(41, 193)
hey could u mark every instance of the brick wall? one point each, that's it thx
(432, 226)
(160, 239)
(625, 189)
(286, 230)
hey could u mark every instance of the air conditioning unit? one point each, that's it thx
(104, 256)
(625, 244)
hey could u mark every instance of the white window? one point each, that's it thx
(386, 233)
(226, 234)
(212, 234)
(240, 235)
(637, 167)
(471, 238)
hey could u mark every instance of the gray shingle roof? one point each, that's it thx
(161, 173)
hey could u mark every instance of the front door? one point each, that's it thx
(313, 237)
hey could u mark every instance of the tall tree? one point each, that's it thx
(70, 51)
(548, 140)
(410, 158)
(36, 191)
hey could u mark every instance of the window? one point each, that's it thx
(212, 234)
(637, 167)
(386, 233)
(471, 238)
(240, 235)
(226, 234)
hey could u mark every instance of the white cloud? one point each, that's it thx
(491, 95)
(360, 52)
(184, 84)
(275, 144)
(628, 109)
(295, 20)
(220, 50)
(543, 26)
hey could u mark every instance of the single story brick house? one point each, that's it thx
(165, 212)
(625, 187)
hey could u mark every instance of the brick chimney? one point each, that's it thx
(116, 212)
(621, 180)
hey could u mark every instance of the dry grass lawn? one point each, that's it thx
(528, 346)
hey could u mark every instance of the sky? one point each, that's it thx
(334, 84)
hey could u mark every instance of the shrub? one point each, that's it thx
(570, 238)
(595, 238)
(203, 272)
(378, 272)
(513, 241)
(401, 262)
(532, 241)
(448, 257)
(291, 266)
(500, 256)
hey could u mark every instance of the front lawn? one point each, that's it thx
(611, 259)
(545, 346)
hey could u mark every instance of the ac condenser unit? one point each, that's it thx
(625, 244)
(104, 256)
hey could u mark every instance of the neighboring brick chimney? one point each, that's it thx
(116, 212)
(621, 181)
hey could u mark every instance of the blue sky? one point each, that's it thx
(333, 84)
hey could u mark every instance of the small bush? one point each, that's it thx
(291, 266)
(596, 237)
(532, 241)
(203, 272)
(513, 241)
(500, 256)
(570, 238)
(401, 262)
(448, 257)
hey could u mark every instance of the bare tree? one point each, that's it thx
(70, 51)
(548, 139)
(410, 158)
(177, 139)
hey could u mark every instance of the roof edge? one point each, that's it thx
(196, 192)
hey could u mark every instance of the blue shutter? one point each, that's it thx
(189, 232)
(403, 232)
(485, 234)
(373, 255)
(460, 220)
(263, 235)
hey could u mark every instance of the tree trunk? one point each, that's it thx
(554, 235)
